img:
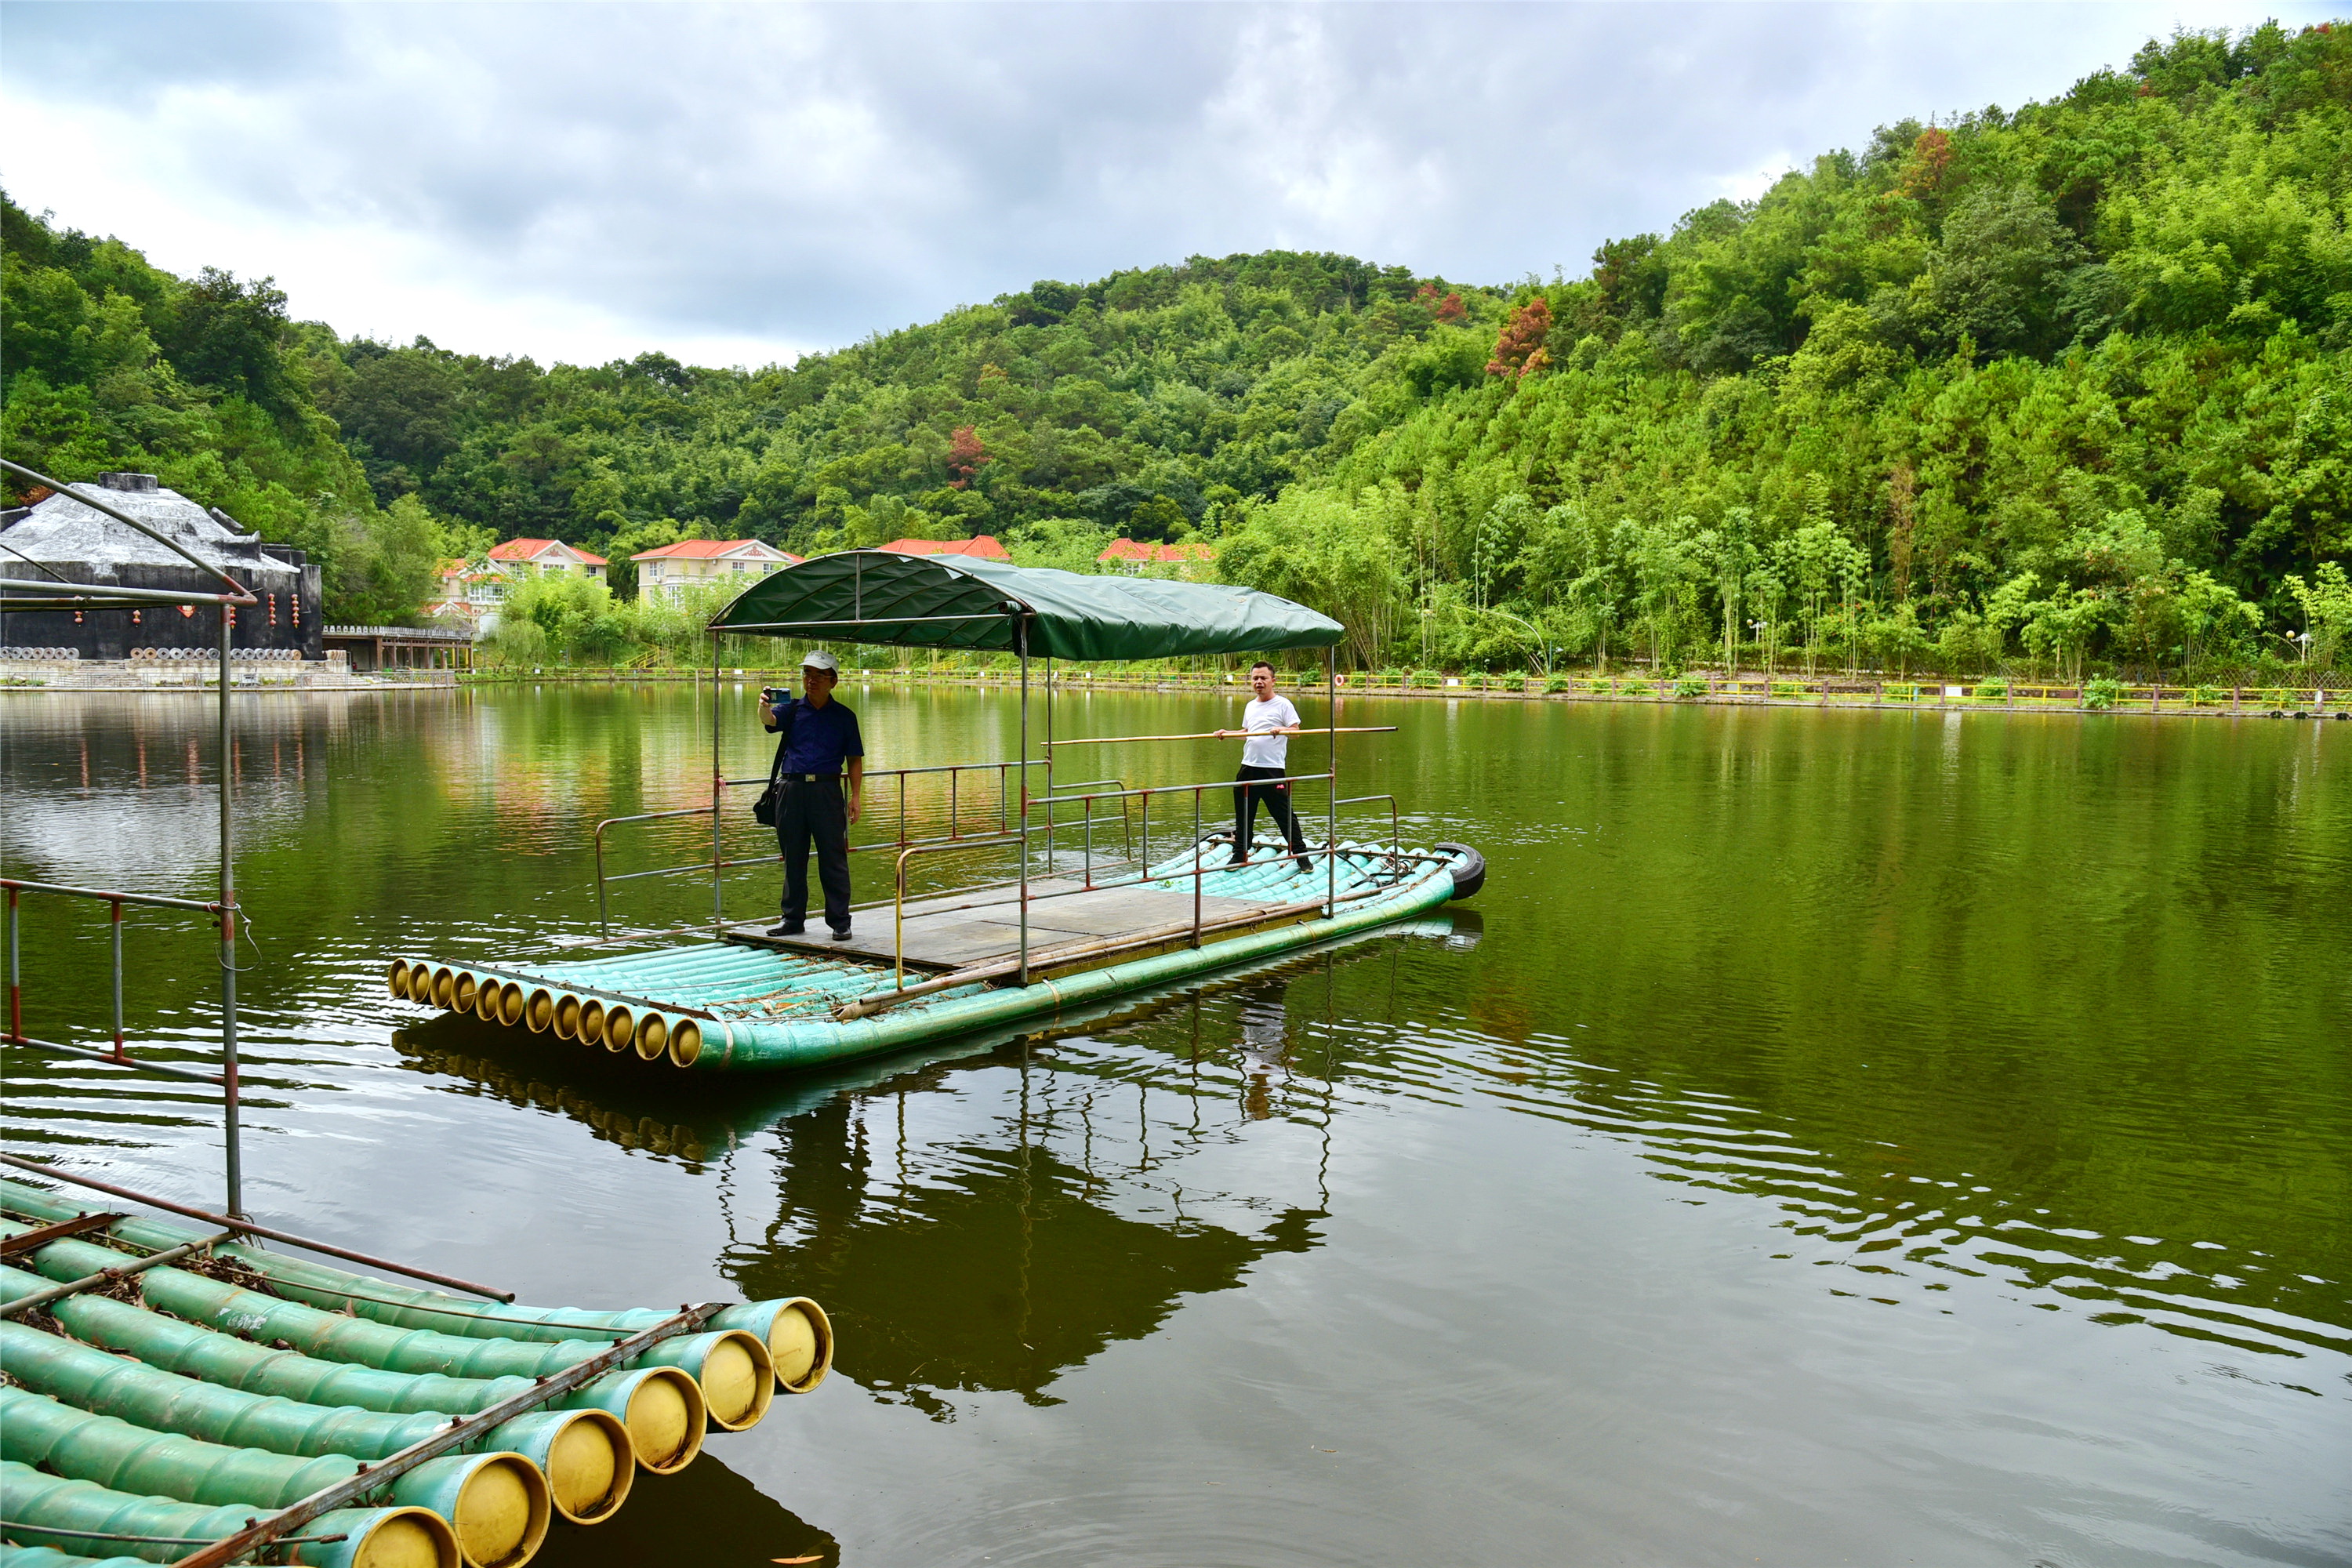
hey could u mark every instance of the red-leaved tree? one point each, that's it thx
(1929, 167)
(1446, 311)
(965, 455)
(1519, 352)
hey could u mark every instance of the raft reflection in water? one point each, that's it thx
(978, 1219)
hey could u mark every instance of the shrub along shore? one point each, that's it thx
(1747, 687)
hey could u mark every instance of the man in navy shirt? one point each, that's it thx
(819, 742)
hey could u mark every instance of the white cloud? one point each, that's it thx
(744, 183)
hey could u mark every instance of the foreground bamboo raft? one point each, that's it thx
(173, 1395)
(749, 1004)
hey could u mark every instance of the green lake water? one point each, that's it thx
(1831, 1137)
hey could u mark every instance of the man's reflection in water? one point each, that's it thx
(1266, 1046)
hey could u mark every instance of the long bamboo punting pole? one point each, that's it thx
(1232, 735)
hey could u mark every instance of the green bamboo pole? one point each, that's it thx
(587, 1486)
(798, 1334)
(497, 1503)
(50, 1557)
(38, 1431)
(231, 1362)
(327, 1335)
(49, 1510)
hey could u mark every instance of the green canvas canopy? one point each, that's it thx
(963, 601)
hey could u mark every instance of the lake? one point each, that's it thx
(1831, 1137)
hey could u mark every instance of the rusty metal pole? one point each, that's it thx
(717, 781)
(16, 978)
(1024, 635)
(1331, 719)
(234, 1158)
(117, 927)
(1049, 764)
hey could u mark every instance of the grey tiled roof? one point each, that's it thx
(62, 530)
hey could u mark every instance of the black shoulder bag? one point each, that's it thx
(764, 810)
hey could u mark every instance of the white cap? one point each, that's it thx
(820, 659)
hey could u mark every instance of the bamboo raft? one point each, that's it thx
(947, 966)
(174, 1394)
(1024, 947)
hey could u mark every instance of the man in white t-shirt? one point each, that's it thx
(1267, 724)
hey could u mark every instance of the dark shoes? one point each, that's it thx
(795, 928)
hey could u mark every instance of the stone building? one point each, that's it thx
(61, 537)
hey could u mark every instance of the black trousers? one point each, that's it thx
(1247, 792)
(815, 814)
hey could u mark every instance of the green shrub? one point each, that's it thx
(2102, 694)
(1992, 690)
(1899, 691)
(1787, 688)
(1391, 676)
(1690, 686)
(2205, 697)
(1560, 683)
(1427, 677)
(1635, 689)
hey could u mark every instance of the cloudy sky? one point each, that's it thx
(742, 184)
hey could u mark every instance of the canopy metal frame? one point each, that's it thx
(1194, 618)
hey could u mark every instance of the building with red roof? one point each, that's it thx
(548, 555)
(674, 569)
(1132, 555)
(471, 594)
(985, 546)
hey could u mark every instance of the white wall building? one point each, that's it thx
(675, 570)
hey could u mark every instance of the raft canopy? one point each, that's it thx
(969, 601)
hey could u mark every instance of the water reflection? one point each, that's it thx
(707, 1515)
(990, 1214)
(1995, 1066)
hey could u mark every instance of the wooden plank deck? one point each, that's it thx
(962, 930)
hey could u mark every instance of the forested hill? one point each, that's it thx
(2072, 383)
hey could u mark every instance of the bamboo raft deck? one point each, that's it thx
(959, 930)
(747, 1001)
(173, 1393)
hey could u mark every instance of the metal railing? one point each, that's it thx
(115, 900)
(718, 863)
(1396, 834)
(1194, 931)
(1084, 795)
(1199, 870)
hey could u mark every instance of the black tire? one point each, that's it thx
(1469, 869)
